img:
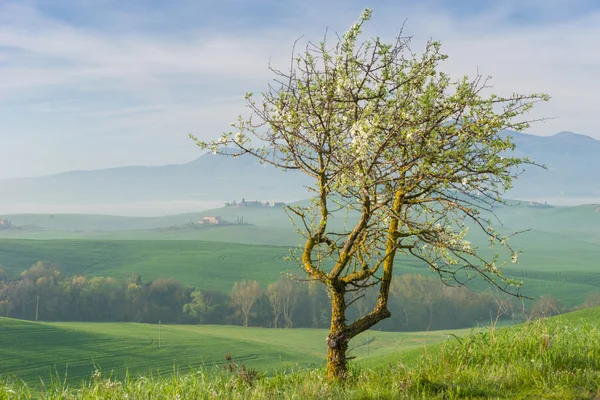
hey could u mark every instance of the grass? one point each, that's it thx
(560, 255)
(72, 351)
(200, 264)
(550, 265)
(558, 358)
(243, 234)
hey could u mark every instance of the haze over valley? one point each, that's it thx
(207, 182)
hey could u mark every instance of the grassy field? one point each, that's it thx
(242, 234)
(201, 264)
(560, 254)
(558, 358)
(74, 350)
(589, 317)
(551, 264)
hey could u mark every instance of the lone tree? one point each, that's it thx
(410, 155)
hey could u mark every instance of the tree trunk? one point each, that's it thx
(337, 343)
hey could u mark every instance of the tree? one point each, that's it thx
(197, 307)
(290, 295)
(409, 155)
(243, 296)
(283, 296)
(413, 289)
(275, 296)
(546, 306)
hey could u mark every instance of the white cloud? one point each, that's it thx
(85, 82)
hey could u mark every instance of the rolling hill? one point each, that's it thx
(551, 264)
(75, 350)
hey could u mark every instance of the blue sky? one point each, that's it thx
(102, 83)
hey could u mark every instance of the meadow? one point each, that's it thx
(201, 264)
(550, 264)
(39, 352)
(556, 358)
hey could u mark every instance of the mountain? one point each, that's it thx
(210, 177)
(573, 162)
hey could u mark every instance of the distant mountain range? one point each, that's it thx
(210, 177)
(573, 163)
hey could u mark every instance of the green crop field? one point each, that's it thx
(30, 351)
(550, 264)
(201, 264)
(560, 253)
(241, 234)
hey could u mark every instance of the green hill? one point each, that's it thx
(551, 264)
(572, 321)
(556, 358)
(201, 264)
(74, 350)
(560, 253)
(263, 216)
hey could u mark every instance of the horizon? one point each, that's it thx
(157, 209)
(96, 85)
(208, 152)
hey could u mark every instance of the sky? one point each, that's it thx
(90, 84)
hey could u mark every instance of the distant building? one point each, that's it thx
(255, 203)
(211, 220)
(5, 224)
(539, 205)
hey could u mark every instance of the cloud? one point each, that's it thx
(144, 76)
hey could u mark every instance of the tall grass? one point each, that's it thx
(552, 359)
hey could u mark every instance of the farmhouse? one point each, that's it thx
(210, 220)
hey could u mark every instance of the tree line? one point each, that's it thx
(419, 302)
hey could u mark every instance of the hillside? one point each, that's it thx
(551, 264)
(557, 358)
(201, 264)
(588, 318)
(75, 350)
(261, 216)
(581, 222)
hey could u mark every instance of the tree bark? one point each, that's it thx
(337, 342)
